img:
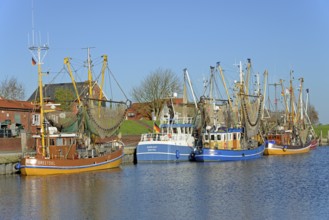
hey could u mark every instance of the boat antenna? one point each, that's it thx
(89, 65)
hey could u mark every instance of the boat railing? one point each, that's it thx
(163, 137)
(177, 120)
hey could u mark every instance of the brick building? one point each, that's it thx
(16, 116)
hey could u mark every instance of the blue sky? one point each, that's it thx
(142, 36)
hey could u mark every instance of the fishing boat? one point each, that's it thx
(79, 138)
(173, 139)
(229, 131)
(291, 133)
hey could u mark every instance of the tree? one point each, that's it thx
(155, 90)
(313, 114)
(65, 97)
(12, 89)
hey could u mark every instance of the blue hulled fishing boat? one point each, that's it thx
(173, 139)
(229, 131)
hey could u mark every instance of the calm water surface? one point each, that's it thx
(274, 187)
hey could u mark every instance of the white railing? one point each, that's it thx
(177, 120)
(164, 137)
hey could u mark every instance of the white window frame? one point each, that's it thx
(36, 119)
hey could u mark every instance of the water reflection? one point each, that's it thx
(280, 187)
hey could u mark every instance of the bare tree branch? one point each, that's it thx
(12, 89)
(153, 91)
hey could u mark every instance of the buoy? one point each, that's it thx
(18, 166)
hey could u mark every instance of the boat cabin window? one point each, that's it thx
(59, 142)
(52, 141)
(212, 137)
(218, 137)
(175, 130)
(234, 136)
(206, 137)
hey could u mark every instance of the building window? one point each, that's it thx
(36, 119)
(131, 114)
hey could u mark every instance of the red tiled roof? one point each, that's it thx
(13, 104)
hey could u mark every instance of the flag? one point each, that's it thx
(33, 62)
(156, 128)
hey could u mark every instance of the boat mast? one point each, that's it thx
(265, 83)
(300, 112)
(247, 76)
(67, 63)
(211, 81)
(90, 77)
(283, 92)
(292, 116)
(38, 54)
(224, 83)
(187, 78)
(275, 99)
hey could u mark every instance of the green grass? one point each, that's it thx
(323, 128)
(131, 127)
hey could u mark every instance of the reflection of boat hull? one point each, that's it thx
(274, 149)
(207, 154)
(149, 151)
(42, 166)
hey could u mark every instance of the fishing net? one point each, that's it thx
(252, 114)
(103, 118)
(64, 121)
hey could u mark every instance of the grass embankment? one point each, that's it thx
(323, 128)
(132, 127)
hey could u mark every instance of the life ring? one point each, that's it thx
(169, 135)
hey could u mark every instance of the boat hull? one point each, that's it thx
(274, 149)
(35, 166)
(207, 154)
(159, 151)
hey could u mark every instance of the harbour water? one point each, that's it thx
(274, 187)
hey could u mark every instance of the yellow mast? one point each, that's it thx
(90, 76)
(38, 61)
(102, 84)
(42, 131)
(103, 76)
(67, 62)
